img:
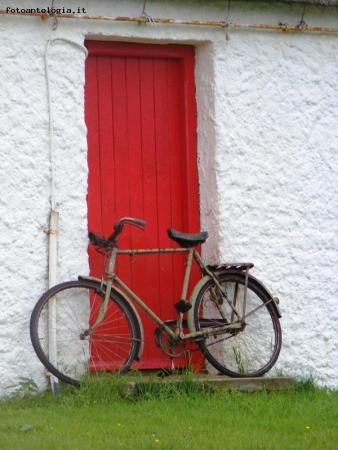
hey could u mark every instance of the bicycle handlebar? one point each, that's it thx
(100, 241)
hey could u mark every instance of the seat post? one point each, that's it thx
(187, 273)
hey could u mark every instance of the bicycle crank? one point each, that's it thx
(173, 347)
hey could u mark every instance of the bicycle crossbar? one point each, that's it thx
(148, 251)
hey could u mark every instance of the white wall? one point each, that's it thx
(267, 137)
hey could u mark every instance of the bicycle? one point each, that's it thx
(91, 325)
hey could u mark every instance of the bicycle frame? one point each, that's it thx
(215, 316)
(192, 254)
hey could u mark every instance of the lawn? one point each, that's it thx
(171, 416)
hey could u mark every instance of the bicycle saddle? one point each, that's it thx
(187, 240)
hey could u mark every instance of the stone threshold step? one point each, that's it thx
(215, 381)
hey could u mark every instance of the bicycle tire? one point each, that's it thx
(251, 351)
(111, 347)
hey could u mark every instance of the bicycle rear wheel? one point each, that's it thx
(250, 351)
(72, 353)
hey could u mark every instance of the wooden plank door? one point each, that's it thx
(141, 119)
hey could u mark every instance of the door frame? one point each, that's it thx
(185, 55)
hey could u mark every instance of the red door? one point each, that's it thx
(141, 119)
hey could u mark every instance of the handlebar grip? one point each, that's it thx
(95, 238)
(140, 222)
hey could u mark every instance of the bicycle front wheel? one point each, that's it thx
(62, 339)
(252, 349)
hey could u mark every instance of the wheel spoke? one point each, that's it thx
(250, 350)
(111, 346)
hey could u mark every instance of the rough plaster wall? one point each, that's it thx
(25, 181)
(277, 150)
(267, 163)
(24, 196)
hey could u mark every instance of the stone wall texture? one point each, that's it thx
(268, 165)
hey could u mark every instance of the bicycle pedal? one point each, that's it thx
(183, 306)
(157, 336)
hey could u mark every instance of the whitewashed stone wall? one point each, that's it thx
(267, 143)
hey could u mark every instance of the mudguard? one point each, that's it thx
(123, 295)
(252, 280)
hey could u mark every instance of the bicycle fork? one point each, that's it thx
(107, 291)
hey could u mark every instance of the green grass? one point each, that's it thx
(102, 415)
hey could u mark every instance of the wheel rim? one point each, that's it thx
(253, 349)
(112, 346)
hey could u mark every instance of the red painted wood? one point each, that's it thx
(141, 118)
